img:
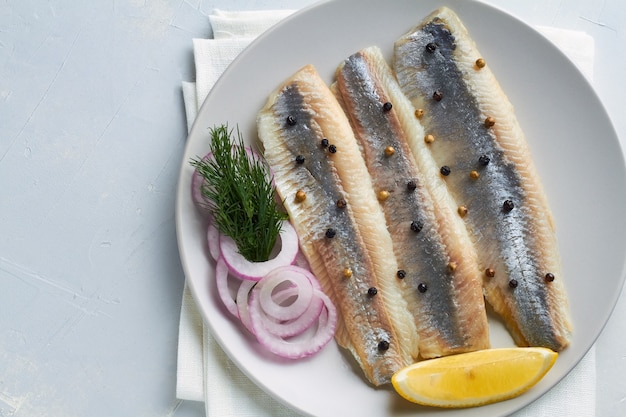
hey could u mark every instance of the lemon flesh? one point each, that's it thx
(475, 378)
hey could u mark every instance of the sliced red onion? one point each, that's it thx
(298, 347)
(221, 280)
(290, 338)
(289, 328)
(242, 300)
(276, 277)
(213, 240)
(244, 269)
(280, 303)
(196, 185)
(302, 261)
(196, 189)
(295, 269)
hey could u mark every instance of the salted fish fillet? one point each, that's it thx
(437, 262)
(340, 226)
(490, 172)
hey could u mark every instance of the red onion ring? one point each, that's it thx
(298, 325)
(244, 269)
(196, 189)
(302, 261)
(301, 283)
(221, 280)
(196, 186)
(283, 337)
(276, 301)
(213, 240)
(299, 347)
(243, 305)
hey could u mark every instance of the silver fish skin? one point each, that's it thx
(441, 280)
(351, 262)
(490, 171)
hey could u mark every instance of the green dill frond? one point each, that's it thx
(239, 194)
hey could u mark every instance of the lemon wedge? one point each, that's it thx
(475, 378)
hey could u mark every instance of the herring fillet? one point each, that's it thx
(360, 243)
(491, 173)
(441, 279)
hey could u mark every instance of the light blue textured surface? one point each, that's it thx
(92, 130)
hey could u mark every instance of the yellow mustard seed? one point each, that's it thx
(300, 196)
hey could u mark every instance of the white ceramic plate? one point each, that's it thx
(572, 140)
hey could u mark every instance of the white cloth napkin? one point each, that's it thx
(204, 371)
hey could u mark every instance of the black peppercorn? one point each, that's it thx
(401, 273)
(437, 95)
(300, 159)
(513, 283)
(383, 345)
(549, 277)
(445, 170)
(431, 47)
(330, 233)
(411, 185)
(484, 160)
(372, 291)
(508, 206)
(341, 203)
(387, 106)
(332, 148)
(291, 121)
(324, 143)
(422, 287)
(416, 226)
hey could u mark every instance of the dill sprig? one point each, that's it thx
(239, 194)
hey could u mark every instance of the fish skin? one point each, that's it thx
(450, 316)
(361, 241)
(519, 244)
